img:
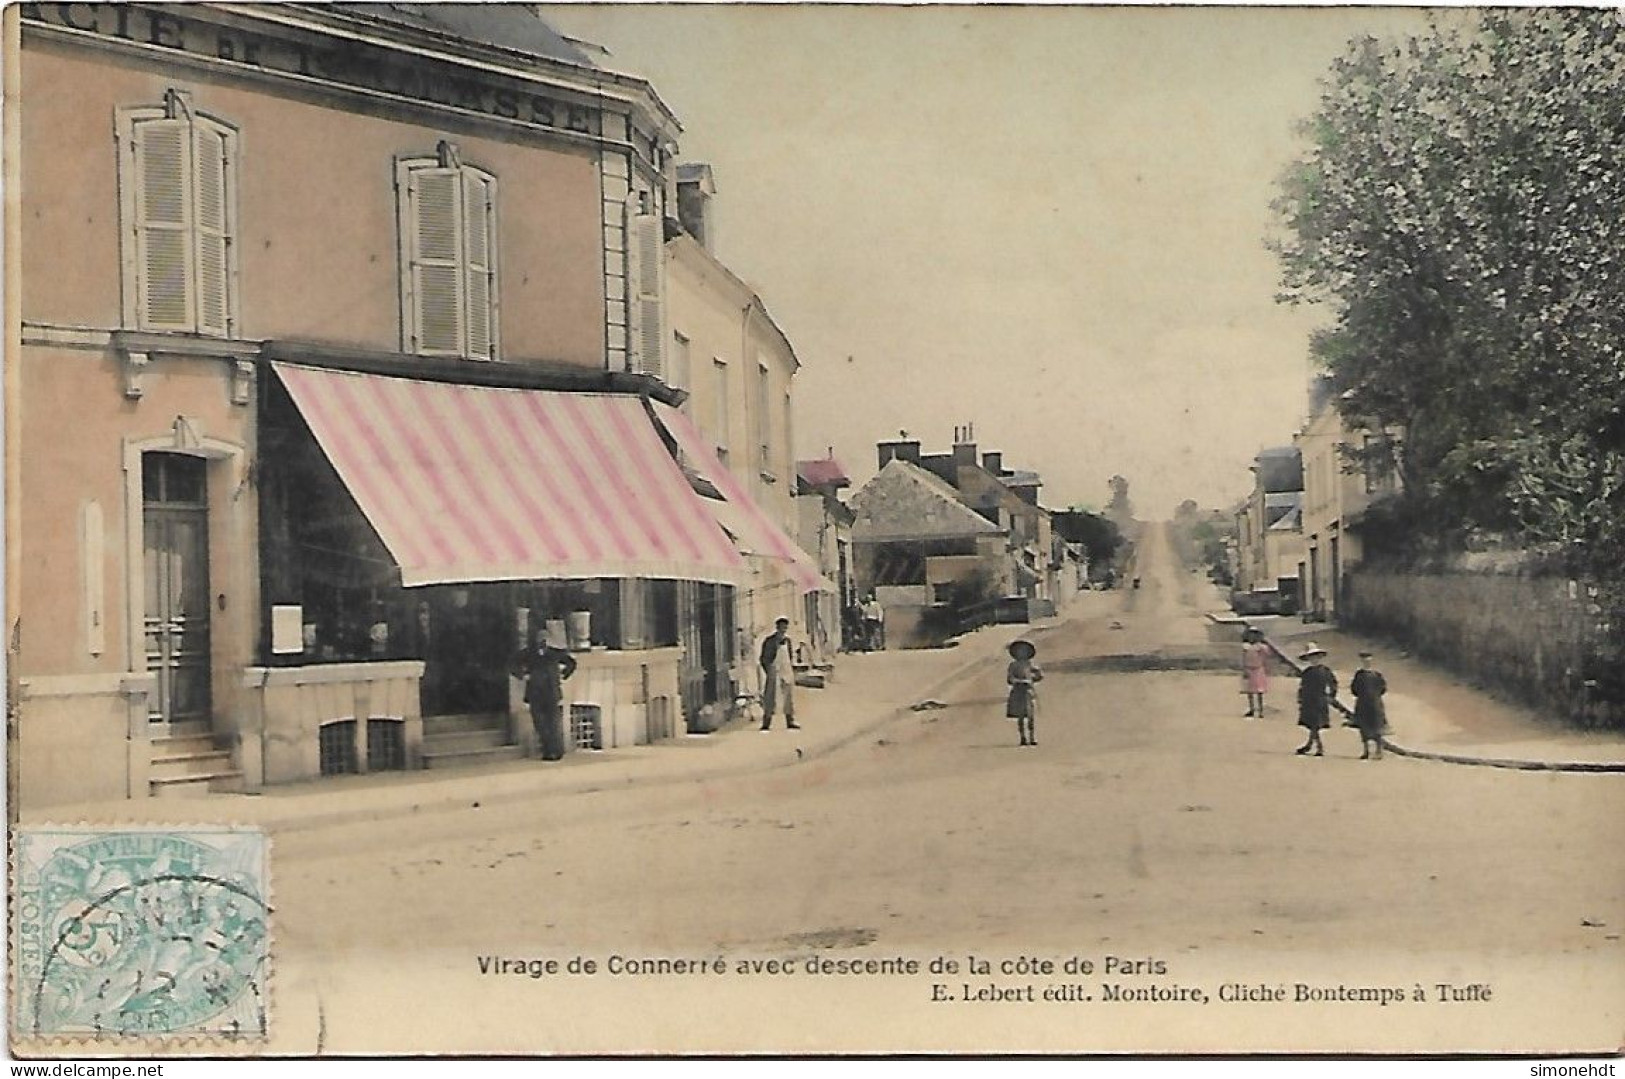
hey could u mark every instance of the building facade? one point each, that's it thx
(1336, 493)
(824, 530)
(1269, 534)
(326, 311)
(737, 369)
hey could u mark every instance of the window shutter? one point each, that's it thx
(648, 237)
(634, 274)
(479, 203)
(435, 269)
(210, 160)
(163, 224)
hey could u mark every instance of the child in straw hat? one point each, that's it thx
(1317, 687)
(1022, 675)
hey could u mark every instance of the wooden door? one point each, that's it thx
(175, 531)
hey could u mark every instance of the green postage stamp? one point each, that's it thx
(140, 933)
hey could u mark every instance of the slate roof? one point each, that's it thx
(825, 471)
(507, 26)
(905, 502)
(1280, 468)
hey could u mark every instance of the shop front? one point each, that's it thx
(416, 532)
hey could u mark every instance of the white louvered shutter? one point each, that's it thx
(648, 236)
(434, 221)
(479, 206)
(634, 273)
(163, 225)
(210, 157)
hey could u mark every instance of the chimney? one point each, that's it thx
(965, 445)
(993, 462)
(907, 450)
(696, 189)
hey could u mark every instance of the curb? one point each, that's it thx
(1502, 762)
(1460, 758)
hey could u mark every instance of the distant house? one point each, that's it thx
(1269, 533)
(825, 532)
(914, 543)
(1008, 498)
(1336, 494)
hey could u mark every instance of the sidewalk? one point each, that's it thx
(1435, 715)
(867, 691)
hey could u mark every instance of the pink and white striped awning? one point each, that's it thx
(752, 529)
(480, 483)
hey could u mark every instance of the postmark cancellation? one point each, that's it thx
(133, 935)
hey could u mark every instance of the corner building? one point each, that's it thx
(337, 375)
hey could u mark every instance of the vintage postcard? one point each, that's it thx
(659, 530)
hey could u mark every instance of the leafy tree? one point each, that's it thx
(1119, 509)
(1461, 209)
(1100, 536)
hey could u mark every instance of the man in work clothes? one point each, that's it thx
(544, 669)
(874, 623)
(778, 676)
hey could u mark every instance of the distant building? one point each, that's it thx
(1269, 533)
(1337, 492)
(914, 544)
(826, 533)
(1009, 499)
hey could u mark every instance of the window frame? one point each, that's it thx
(135, 311)
(408, 173)
(723, 434)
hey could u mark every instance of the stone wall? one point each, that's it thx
(1539, 638)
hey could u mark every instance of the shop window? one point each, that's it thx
(386, 745)
(178, 190)
(448, 230)
(337, 743)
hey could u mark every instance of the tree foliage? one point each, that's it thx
(1461, 209)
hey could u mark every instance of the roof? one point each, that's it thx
(1021, 478)
(509, 26)
(1280, 468)
(905, 502)
(823, 472)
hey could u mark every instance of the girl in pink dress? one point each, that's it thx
(1255, 670)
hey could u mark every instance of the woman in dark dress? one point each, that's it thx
(1370, 715)
(1317, 686)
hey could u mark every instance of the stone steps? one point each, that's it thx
(461, 741)
(186, 764)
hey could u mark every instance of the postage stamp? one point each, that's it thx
(141, 933)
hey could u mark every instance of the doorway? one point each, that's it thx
(175, 549)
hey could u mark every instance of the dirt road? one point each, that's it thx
(1151, 825)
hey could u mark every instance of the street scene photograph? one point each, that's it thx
(810, 530)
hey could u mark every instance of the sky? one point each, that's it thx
(1048, 222)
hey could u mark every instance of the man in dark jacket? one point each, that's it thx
(544, 669)
(778, 675)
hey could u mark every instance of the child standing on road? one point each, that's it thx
(1317, 686)
(1370, 714)
(1022, 675)
(1255, 670)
